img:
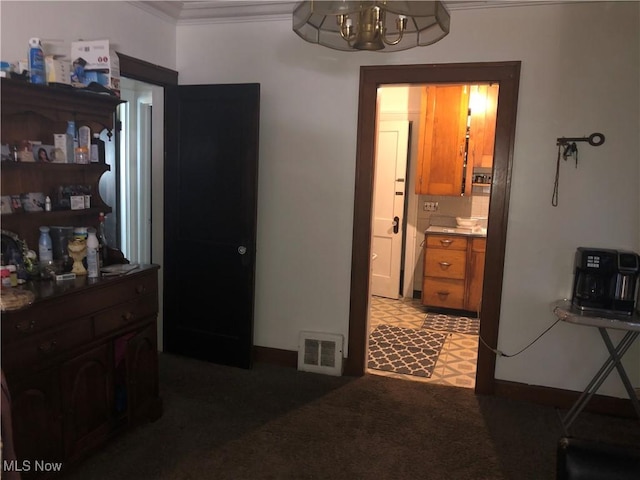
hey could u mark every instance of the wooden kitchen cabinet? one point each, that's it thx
(442, 141)
(81, 364)
(453, 271)
(476, 275)
(445, 266)
(483, 107)
(446, 157)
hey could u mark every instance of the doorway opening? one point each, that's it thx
(451, 126)
(506, 75)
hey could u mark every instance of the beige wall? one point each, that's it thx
(580, 74)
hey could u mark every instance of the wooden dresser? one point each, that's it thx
(81, 364)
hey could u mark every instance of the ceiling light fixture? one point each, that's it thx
(386, 26)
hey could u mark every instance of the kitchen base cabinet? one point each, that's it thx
(476, 275)
(453, 271)
(81, 365)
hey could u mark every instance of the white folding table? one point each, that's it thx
(566, 312)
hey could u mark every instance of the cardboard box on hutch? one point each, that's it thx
(94, 61)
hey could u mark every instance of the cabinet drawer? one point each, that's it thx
(443, 293)
(120, 316)
(43, 315)
(445, 263)
(449, 242)
(40, 348)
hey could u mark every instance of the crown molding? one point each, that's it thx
(216, 11)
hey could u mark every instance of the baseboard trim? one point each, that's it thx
(554, 397)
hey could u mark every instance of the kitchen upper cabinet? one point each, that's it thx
(442, 142)
(483, 105)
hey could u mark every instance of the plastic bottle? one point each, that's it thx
(37, 73)
(72, 141)
(93, 258)
(84, 145)
(47, 203)
(97, 149)
(45, 247)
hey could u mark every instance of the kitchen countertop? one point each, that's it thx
(469, 232)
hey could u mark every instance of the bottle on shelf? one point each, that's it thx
(45, 248)
(37, 72)
(71, 141)
(97, 149)
(93, 255)
(102, 240)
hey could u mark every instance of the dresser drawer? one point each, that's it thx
(445, 263)
(448, 242)
(42, 315)
(443, 293)
(42, 347)
(125, 314)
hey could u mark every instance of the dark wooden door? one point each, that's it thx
(210, 221)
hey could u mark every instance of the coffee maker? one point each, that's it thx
(606, 281)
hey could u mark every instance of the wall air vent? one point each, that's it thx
(320, 353)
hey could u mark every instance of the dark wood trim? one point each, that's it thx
(563, 399)
(137, 69)
(275, 356)
(507, 74)
(552, 397)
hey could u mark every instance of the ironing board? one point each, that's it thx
(627, 323)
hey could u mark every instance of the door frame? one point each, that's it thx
(141, 70)
(507, 74)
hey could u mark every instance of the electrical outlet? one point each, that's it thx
(430, 206)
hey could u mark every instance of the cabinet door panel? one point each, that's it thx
(87, 399)
(441, 147)
(142, 375)
(36, 418)
(476, 275)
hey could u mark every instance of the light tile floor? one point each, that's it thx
(456, 364)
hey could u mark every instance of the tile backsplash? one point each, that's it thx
(451, 207)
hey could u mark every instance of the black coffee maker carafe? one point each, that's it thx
(606, 280)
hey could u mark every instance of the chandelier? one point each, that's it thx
(386, 26)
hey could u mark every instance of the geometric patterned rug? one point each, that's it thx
(449, 323)
(404, 350)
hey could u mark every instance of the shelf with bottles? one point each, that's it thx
(27, 225)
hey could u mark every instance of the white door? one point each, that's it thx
(392, 143)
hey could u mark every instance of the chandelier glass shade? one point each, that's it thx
(385, 26)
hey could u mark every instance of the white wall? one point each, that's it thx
(131, 30)
(580, 74)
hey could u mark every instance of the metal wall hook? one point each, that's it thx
(595, 140)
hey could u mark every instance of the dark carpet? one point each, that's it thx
(278, 423)
(404, 350)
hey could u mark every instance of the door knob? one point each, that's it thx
(396, 223)
(242, 249)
